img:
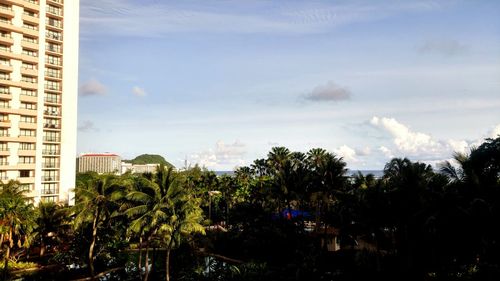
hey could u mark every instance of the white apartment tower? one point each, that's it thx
(38, 96)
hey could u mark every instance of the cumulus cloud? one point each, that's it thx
(92, 88)
(495, 132)
(328, 92)
(347, 153)
(446, 47)
(138, 91)
(222, 156)
(420, 146)
(87, 126)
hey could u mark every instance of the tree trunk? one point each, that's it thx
(146, 262)
(92, 245)
(167, 259)
(42, 248)
(153, 261)
(6, 264)
(139, 265)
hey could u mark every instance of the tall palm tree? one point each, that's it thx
(144, 206)
(51, 220)
(16, 218)
(96, 201)
(182, 216)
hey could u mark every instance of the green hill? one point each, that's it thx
(149, 159)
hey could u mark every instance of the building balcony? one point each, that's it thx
(50, 152)
(54, 12)
(7, 12)
(52, 126)
(26, 98)
(53, 75)
(31, 19)
(30, 31)
(53, 37)
(25, 111)
(26, 139)
(32, 85)
(51, 139)
(31, 4)
(53, 89)
(6, 38)
(22, 152)
(50, 165)
(58, 3)
(4, 151)
(52, 101)
(25, 166)
(6, 67)
(29, 71)
(26, 179)
(29, 44)
(54, 63)
(24, 125)
(7, 25)
(5, 123)
(53, 191)
(50, 178)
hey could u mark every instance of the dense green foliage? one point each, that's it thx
(290, 216)
(149, 159)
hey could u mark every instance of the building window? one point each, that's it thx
(52, 110)
(53, 60)
(4, 76)
(51, 34)
(27, 119)
(30, 53)
(54, 10)
(30, 26)
(26, 146)
(27, 133)
(28, 79)
(29, 66)
(47, 199)
(50, 188)
(55, 22)
(30, 39)
(52, 85)
(26, 159)
(4, 133)
(4, 161)
(26, 92)
(29, 106)
(26, 173)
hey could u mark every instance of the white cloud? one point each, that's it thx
(347, 153)
(495, 132)
(421, 146)
(387, 152)
(137, 91)
(223, 156)
(328, 92)
(92, 88)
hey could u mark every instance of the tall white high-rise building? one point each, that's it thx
(38, 96)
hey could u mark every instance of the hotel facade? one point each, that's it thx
(38, 96)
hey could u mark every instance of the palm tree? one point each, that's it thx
(96, 201)
(183, 215)
(51, 220)
(144, 206)
(16, 218)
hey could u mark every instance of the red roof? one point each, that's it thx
(99, 154)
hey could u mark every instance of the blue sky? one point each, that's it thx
(221, 82)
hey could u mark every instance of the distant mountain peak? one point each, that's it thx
(149, 159)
